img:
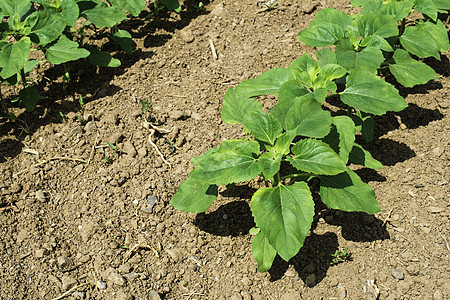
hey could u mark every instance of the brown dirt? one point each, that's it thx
(70, 219)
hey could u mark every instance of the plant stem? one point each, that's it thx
(276, 179)
(294, 175)
(402, 26)
(24, 78)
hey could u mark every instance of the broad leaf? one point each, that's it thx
(13, 57)
(29, 97)
(105, 16)
(341, 136)
(45, 26)
(326, 57)
(283, 143)
(103, 59)
(229, 166)
(347, 192)
(30, 65)
(442, 5)
(425, 39)
(410, 72)
(263, 252)
(194, 195)
(358, 3)
(398, 9)
(15, 7)
(226, 145)
(376, 41)
(267, 83)
(307, 118)
(369, 93)
(270, 164)
(70, 12)
(316, 157)
(364, 123)
(382, 25)
(305, 69)
(284, 214)
(236, 106)
(321, 35)
(172, 5)
(362, 157)
(370, 58)
(427, 7)
(134, 7)
(65, 50)
(264, 126)
(332, 16)
(124, 39)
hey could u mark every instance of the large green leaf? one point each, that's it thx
(124, 39)
(358, 3)
(13, 57)
(134, 7)
(364, 123)
(341, 136)
(347, 192)
(410, 72)
(370, 58)
(194, 195)
(283, 143)
(70, 12)
(263, 252)
(316, 157)
(307, 117)
(15, 7)
(65, 50)
(326, 57)
(105, 16)
(267, 83)
(442, 5)
(45, 26)
(425, 39)
(376, 41)
(103, 59)
(371, 94)
(270, 164)
(226, 145)
(398, 9)
(362, 157)
(427, 7)
(172, 5)
(30, 97)
(321, 35)
(229, 166)
(332, 16)
(382, 25)
(264, 126)
(284, 214)
(305, 69)
(236, 106)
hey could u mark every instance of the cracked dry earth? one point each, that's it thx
(76, 227)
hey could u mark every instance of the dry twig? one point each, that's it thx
(213, 49)
(70, 291)
(135, 248)
(49, 160)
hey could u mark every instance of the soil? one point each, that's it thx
(77, 216)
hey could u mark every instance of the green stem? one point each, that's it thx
(67, 70)
(276, 179)
(349, 112)
(402, 27)
(294, 175)
(24, 78)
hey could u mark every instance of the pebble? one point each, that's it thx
(395, 217)
(291, 295)
(152, 295)
(40, 196)
(129, 149)
(148, 206)
(90, 127)
(176, 114)
(15, 188)
(371, 290)
(78, 295)
(64, 262)
(236, 297)
(438, 295)
(115, 277)
(309, 269)
(311, 280)
(131, 276)
(397, 273)
(341, 292)
(101, 285)
(40, 253)
(187, 36)
(67, 282)
(403, 286)
(435, 210)
(196, 116)
(34, 170)
(174, 253)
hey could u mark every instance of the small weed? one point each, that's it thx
(270, 4)
(108, 159)
(63, 117)
(340, 256)
(146, 109)
(172, 147)
(200, 8)
(81, 111)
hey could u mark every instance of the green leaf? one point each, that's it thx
(103, 59)
(376, 41)
(124, 39)
(360, 156)
(283, 143)
(307, 117)
(442, 5)
(316, 157)
(321, 35)
(45, 26)
(347, 192)
(382, 25)
(65, 50)
(267, 83)
(284, 214)
(194, 195)
(171, 5)
(364, 123)
(29, 97)
(398, 9)
(226, 145)
(236, 106)
(427, 7)
(410, 72)
(70, 12)
(371, 94)
(104, 16)
(30, 65)
(13, 57)
(370, 58)
(13, 7)
(425, 39)
(358, 3)
(325, 79)
(270, 164)
(305, 69)
(265, 127)
(263, 252)
(229, 166)
(332, 16)
(341, 136)
(134, 7)
(326, 57)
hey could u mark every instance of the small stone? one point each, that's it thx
(291, 295)
(174, 253)
(34, 170)
(129, 149)
(148, 206)
(176, 114)
(187, 36)
(397, 273)
(403, 286)
(153, 295)
(77, 130)
(236, 297)
(15, 188)
(413, 269)
(438, 151)
(435, 210)
(218, 10)
(64, 263)
(84, 258)
(131, 276)
(371, 290)
(438, 295)
(225, 217)
(67, 282)
(246, 281)
(309, 269)
(341, 292)
(395, 217)
(90, 127)
(40, 253)
(78, 295)
(311, 280)
(101, 285)
(40, 196)
(196, 116)
(115, 277)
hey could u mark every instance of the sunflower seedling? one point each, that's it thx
(340, 256)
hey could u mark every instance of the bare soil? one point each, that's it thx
(104, 230)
